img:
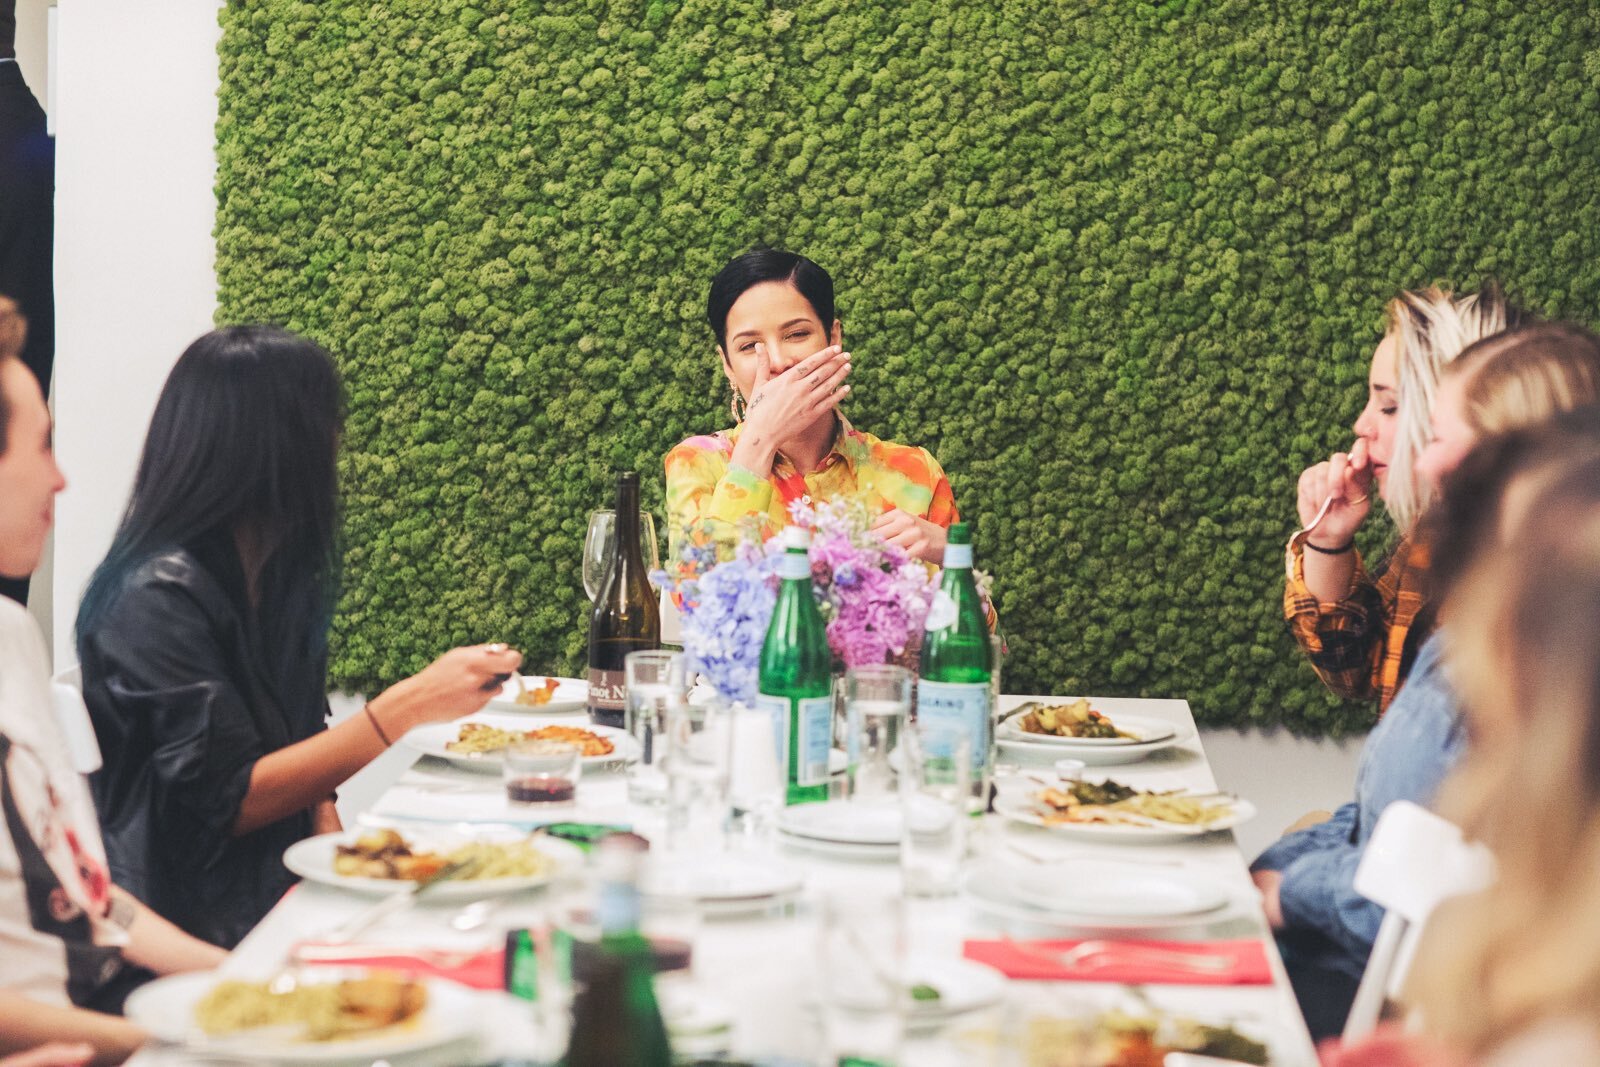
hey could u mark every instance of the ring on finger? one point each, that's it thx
(497, 647)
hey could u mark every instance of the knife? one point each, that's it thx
(395, 902)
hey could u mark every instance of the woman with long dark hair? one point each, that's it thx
(781, 348)
(203, 638)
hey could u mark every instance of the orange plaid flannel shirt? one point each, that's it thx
(1362, 645)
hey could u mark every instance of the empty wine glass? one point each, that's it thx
(600, 542)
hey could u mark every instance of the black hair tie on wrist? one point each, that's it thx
(1341, 550)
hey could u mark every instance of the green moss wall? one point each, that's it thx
(1119, 265)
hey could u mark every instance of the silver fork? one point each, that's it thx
(1082, 955)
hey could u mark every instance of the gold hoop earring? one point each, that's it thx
(736, 405)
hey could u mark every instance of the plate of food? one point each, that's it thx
(1060, 1037)
(381, 861)
(340, 1016)
(478, 744)
(1110, 810)
(541, 695)
(1075, 724)
(1076, 729)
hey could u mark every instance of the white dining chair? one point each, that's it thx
(72, 716)
(1414, 860)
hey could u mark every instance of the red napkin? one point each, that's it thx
(480, 969)
(1125, 961)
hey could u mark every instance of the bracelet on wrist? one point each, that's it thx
(377, 727)
(1339, 551)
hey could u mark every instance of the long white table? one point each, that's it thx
(762, 967)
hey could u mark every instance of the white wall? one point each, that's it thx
(135, 283)
(33, 45)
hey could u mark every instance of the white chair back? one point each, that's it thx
(1414, 860)
(72, 716)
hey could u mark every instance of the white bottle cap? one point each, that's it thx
(796, 537)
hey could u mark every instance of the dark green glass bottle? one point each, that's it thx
(957, 663)
(616, 1020)
(796, 677)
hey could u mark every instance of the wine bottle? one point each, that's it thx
(796, 676)
(626, 616)
(957, 669)
(616, 1020)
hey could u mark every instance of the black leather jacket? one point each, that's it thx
(183, 705)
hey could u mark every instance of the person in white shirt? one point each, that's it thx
(72, 945)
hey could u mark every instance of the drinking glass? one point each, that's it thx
(542, 772)
(698, 763)
(600, 542)
(756, 782)
(862, 964)
(876, 701)
(935, 770)
(656, 683)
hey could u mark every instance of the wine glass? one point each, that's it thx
(600, 542)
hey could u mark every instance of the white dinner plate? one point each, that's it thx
(721, 878)
(992, 888)
(835, 850)
(1115, 890)
(431, 739)
(1143, 731)
(165, 1007)
(844, 822)
(571, 695)
(312, 859)
(1094, 753)
(1023, 811)
(963, 985)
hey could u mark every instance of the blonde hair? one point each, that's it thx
(1430, 328)
(1522, 378)
(1524, 652)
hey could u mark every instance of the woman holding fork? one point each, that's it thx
(1362, 629)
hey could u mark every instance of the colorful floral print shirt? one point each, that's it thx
(705, 489)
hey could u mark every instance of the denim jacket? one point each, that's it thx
(1406, 756)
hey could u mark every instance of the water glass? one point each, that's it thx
(542, 772)
(698, 765)
(935, 773)
(657, 682)
(861, 975)
(876, 701)
(599, 543)
(756, 782)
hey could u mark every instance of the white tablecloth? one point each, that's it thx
(762, 968)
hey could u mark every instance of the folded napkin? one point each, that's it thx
(477, 969)
(1235, 962)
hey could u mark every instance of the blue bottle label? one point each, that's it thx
(959, 705)
(816, 739)
(778, 708)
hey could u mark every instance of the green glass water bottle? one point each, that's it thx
(616, 1020)
(957, 666)
(796, 679)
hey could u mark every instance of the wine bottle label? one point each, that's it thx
(957, 557)
(961, 706)
(608, 690)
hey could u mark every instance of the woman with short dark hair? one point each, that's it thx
(203, 638)
(781, 348)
